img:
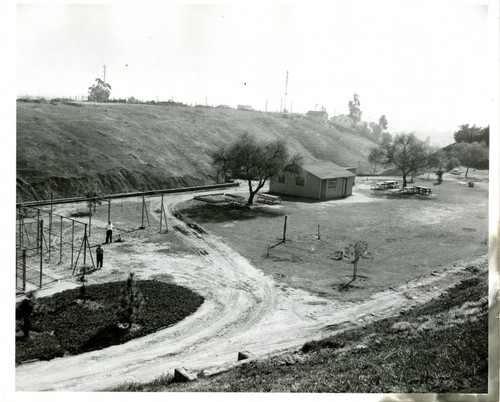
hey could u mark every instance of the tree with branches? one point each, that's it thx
(405, 151)
(255, 162)
(356, 250)
(472, 155)
(354, 109)
(382, 122)
(100, 91)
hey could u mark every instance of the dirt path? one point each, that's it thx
(243, 310)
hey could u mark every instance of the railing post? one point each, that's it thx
(161, 212)
(84, 247)
(60, 241)
(50, 232)
(41, 251)
(72, 240)
(37, 230)
(24, 270)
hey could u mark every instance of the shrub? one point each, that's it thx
(131, 302)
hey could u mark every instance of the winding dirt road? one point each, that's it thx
(243, 310)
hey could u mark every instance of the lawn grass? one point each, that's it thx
(407, 237)
(401, 354)
(65, 324)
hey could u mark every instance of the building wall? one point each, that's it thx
(312, 186)
(343, 120)
(310, 189)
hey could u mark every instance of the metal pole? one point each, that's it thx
(284, 229)
(147, 213)
(60, 242)
(161, 212)
(90, 218)
(50, 231)
(84, 247)
(24, 270)
(142, 218)
(72, 240)
(38, 230)
(41, 251)
(318, 233)
(90, 253)
(21, 230)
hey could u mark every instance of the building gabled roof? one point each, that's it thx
(316, 113)
(327, 170)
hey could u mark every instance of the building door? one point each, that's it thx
(344, 187)
(323, 189)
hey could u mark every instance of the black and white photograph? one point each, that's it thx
(238, 200)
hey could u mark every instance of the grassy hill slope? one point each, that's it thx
(67, 148)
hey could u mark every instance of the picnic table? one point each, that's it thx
(385, 185)
(408, 190)
(423, 190)
(416, 190)
(268, 199)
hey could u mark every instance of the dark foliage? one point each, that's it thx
(80, 327)
(472, 134)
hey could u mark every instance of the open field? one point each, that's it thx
(244, 308)
(408, 235)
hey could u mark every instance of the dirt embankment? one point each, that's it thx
(63, 149)
(117, 182)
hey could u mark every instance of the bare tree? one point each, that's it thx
(255, 162)
(405, 151)
(472, 155)
(357, 250)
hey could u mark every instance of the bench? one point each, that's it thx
(268, 199)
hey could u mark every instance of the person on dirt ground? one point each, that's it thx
(100, 256)
(109, 232)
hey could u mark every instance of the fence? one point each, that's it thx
(52, 246)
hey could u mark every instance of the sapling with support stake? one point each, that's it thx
(357, 250)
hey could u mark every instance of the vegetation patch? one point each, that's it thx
(76, 321)
(387, 356)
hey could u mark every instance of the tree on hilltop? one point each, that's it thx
(382, 122)
(470, 134)
(354, 109)
(100, 91)
(251, 160)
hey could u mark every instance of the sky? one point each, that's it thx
(425, 65)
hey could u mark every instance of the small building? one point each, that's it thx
(343, 120)
(320, 116)
(245, 107)
(321, 181)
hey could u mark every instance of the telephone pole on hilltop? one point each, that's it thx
(286, 92)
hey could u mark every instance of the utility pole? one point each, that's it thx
(104, 74)
(266, 105)
(286, 91)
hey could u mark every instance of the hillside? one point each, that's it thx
(69, 148)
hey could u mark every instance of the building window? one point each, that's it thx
(281, 178)
(332, 183)
(299, 180)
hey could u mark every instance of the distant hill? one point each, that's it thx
(68, 148)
